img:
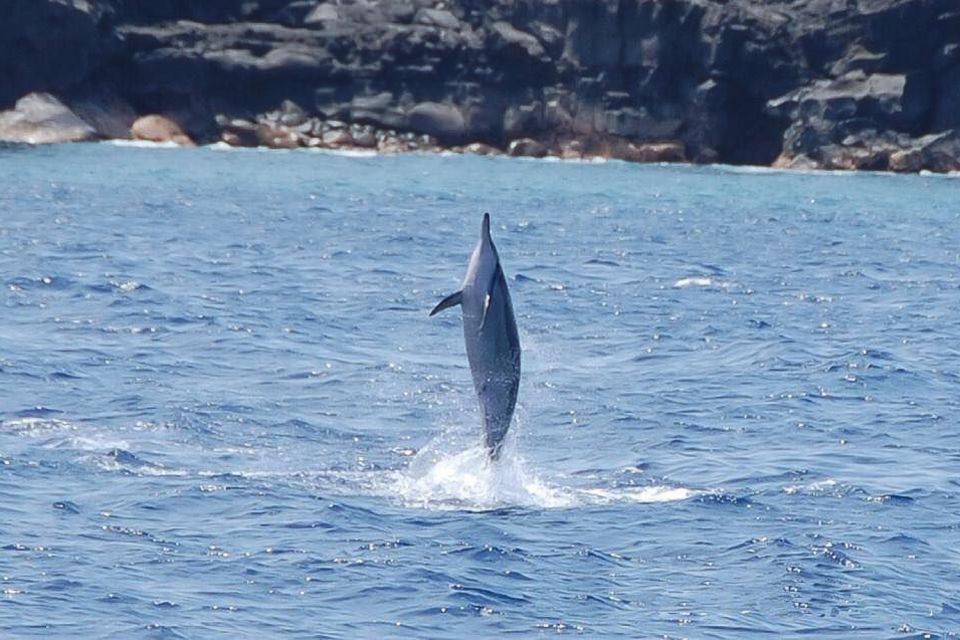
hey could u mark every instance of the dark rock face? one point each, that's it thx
(48, 45)
(441, 120)
(830, 83)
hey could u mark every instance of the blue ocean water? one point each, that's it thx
(224, 412)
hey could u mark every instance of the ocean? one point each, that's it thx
(225, 412)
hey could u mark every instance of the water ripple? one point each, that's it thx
(225, 412)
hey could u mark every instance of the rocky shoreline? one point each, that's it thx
(41, 118)
(832, 84)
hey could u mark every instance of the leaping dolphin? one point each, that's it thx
(490, 333)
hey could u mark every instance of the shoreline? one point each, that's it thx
(358, 153)
(42, 118)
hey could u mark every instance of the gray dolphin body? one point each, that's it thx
(490, 333)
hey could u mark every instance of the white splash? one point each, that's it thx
(127, 287)
(469, 481)
(818, 486)
(696, 281)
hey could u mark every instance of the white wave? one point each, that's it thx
(639, 494)
(446, 475)
(694, 281)
(146, 144)
(347, 153)
(110, 463)
(818, 486)
(357, 153)
(751, 169)
(219, 145)
(581, 160)
(93, 442)
(36, 427)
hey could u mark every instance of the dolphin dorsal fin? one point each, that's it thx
(451, 300)
(485, 229)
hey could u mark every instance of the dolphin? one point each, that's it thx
(490, 333)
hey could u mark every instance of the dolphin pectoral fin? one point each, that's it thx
(451, 300)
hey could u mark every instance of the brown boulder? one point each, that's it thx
(157, 128)
(650, 152)
(277, 136)
(939, 152)
(785, 161)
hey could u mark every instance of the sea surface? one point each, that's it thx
(225, 412)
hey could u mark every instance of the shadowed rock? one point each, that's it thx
(445, 122)
(110, 115)
(52, 45)
(527, 147)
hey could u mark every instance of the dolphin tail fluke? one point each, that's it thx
(451, 300)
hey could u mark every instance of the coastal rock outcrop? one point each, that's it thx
(157, 128)
(40, 118)
(819, 83)
(527, 147)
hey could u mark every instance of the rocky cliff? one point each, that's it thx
(823, 83)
